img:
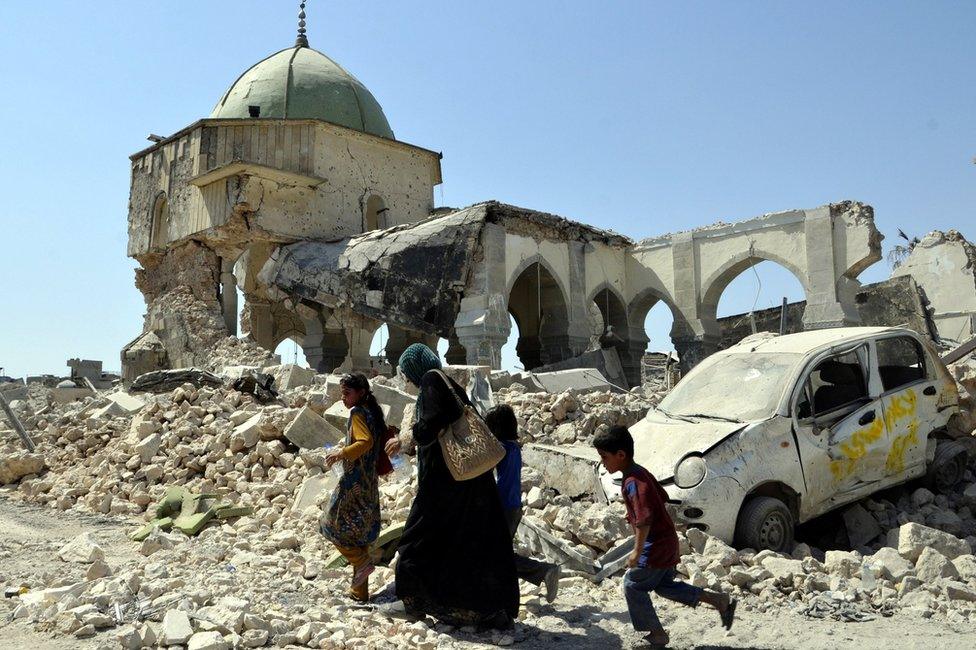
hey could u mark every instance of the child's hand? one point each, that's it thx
(392, 446)
(332, 457)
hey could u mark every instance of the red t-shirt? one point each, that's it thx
(645, 500)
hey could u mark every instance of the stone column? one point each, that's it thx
(631, 353)
(695, 335)
(830, 301)
(359, 332)
(482, 325)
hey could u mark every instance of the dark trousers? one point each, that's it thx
(526, 568)
(639, 583)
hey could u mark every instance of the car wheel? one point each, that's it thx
(765, 523)
(948, 467)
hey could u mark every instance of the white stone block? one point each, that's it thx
(911, 539)
(176, 628)
(309, 430)
(83, 549)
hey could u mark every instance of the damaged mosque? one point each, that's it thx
(295, 190)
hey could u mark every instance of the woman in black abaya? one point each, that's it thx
(455, 557)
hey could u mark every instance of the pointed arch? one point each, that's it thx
(539, 306)
(718, 281)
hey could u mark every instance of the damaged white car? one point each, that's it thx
(778, 430)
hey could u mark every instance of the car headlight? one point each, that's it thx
(689, 472)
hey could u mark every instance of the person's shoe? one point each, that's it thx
(362, 574)
(552, 582)
(658, 639)
(397, 609)
(498, 621)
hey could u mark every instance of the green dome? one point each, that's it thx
(302, 83)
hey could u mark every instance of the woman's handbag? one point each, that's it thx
(469, 447)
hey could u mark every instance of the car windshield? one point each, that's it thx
(736, 387)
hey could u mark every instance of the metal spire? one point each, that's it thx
(302, 40)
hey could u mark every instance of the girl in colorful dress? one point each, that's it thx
(352, 521)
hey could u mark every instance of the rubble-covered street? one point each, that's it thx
(269, 578)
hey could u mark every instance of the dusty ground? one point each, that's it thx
(30, 537)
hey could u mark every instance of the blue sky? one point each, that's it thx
(643, 117)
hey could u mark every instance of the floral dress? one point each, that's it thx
(353, 516)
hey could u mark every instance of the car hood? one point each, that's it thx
(660, 442)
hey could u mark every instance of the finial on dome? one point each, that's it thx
(302, 40)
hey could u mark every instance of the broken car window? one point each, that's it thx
(836, 382)
(740, 387)
(900, 361)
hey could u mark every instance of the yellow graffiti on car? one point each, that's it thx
(901, 406)
(852, 451)
(896, 455)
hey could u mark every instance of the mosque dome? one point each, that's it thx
(302, 83)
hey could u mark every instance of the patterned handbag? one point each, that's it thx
(469, 447)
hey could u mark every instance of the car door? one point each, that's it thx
(840, 431)
(910, 400)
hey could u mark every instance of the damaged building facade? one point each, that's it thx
(295, 191)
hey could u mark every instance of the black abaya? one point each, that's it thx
(456, 561)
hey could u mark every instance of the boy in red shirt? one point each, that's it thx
(655, 555)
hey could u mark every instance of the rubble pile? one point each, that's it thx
(919, 568)
(269, 577)
(567, 418)
(964, 372)
(208, 440)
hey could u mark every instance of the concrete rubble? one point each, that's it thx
(223, 588)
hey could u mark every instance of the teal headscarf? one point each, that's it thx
(416, 361)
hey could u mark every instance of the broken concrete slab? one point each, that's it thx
(614, 560)
(394, 402)
(313, 489)
(127, 404)
(606, 361)
(572, 471)
(346, 273)
(247, 434)
(148, 446)
(545, 543)
(309, 430)
(164, 381)
(862, 527)
(578, 380)
(289, 375)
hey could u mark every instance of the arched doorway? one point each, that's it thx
(538, 305)
(374, 213)
(290, 351)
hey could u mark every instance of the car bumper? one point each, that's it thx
(712, 506)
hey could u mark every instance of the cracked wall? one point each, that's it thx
(944, 266)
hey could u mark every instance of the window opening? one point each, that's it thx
(901, 361)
